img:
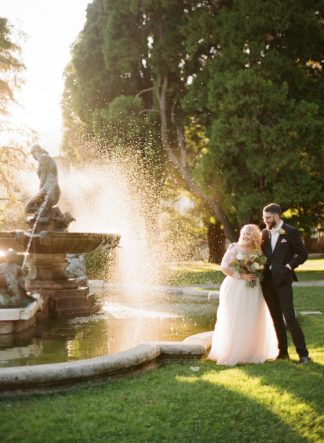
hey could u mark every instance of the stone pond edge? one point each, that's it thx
(145, 356)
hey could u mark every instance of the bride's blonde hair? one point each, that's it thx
(256, 235)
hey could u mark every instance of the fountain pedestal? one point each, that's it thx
(47, 263)
(65, 297)
(47, 276)
(47, 273)
(46, 267)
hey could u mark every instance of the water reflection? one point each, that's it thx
(21, 352)
(119, 325)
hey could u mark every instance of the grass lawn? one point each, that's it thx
(270, 402)
(189, 273)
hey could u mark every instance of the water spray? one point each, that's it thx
(33, 230)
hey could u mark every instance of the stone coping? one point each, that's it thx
(191, 291)
(198, 292)
(148, 355)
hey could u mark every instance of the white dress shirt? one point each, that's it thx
(275, 235)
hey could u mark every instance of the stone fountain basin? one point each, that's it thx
(25, 313)
(18, 320)
(49, 242)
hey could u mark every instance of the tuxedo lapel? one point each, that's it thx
(267, 245)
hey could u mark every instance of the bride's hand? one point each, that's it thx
(248, 277)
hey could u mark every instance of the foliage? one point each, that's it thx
(182, 234)
(74, 134)
(261, 107)
(10, 65)
(274, 401)
(99, 263)
(104, 63)
(230, 92)
(88, 73)
(105, 93)
(12, 158)
(119, 128)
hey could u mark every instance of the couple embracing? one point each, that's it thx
(251, 316)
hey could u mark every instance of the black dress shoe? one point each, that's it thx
(282, 357)
(303, 360)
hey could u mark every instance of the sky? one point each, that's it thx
(51, 27)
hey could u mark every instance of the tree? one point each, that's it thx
(108, 58)
(246, 74)
(261, 107)
(10, 66)
(11, 157)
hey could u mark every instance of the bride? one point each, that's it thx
(244, 331)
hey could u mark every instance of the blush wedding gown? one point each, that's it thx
(244, 331)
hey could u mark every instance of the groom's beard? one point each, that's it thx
(271, 225)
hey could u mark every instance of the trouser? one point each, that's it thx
(279, 299)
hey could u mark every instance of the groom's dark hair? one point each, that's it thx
(273, 208)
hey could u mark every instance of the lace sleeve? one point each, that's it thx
(228, 258)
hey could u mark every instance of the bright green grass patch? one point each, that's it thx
(189, 273)
(309, 298)
(312, 269)
(270, 402)
(309, 275)
(276, 402)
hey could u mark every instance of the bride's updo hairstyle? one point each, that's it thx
(256, 235)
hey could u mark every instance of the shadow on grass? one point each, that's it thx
(170, 405)
(292, 378)
(276, 401)
(289, 377)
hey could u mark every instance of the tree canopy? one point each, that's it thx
(10, 65)
(11, 157)
(230, 92)
(262, 107)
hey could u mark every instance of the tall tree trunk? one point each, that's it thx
(181, 164)
(216, 242)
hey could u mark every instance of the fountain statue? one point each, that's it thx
(18, 308)
(76, 268)
(42, 205)
(46, 246)
(12, 283)
(49, 192)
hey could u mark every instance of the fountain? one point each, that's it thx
(114, 341)
(45, 246)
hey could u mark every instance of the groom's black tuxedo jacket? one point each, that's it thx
(289, 249)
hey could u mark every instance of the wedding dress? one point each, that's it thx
(244, 331)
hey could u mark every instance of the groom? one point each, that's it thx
(284, 249)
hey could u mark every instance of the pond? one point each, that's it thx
(121, 323)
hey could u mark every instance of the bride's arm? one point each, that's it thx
(228, 258)
(226, 265)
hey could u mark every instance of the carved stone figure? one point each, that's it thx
(76, 268)
(12, 283)
(49, 190)
(43, 205)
